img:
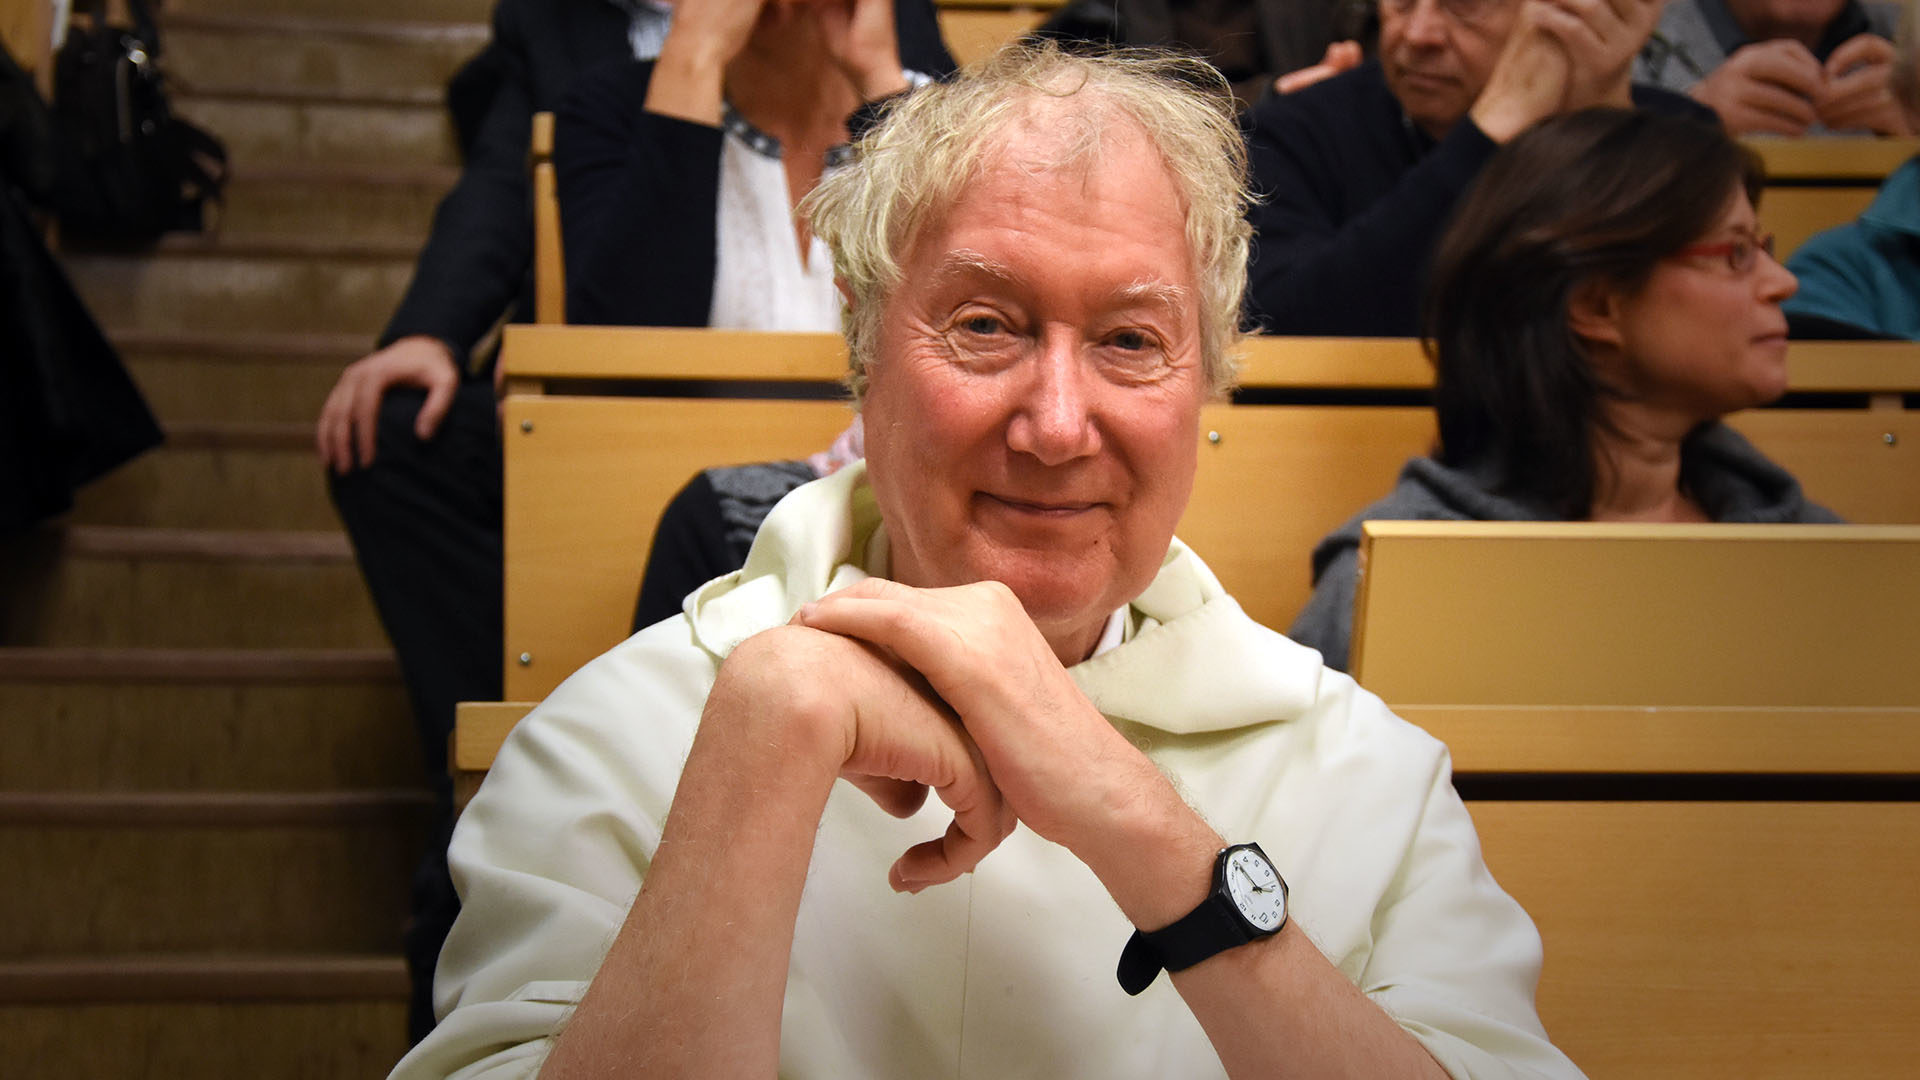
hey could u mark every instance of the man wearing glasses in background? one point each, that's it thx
(1361, 171)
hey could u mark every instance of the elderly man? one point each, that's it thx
(1043, 262)
(1360, 172)
(1784, 67)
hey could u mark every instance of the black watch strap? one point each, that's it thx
(1204, 931)
(1215, 926)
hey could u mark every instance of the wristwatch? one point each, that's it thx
(1248, 902)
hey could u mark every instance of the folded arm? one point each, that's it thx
(792, 710)
(1275, 1007)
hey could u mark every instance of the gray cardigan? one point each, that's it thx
(1732, 481)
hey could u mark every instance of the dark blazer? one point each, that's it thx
(478, 260)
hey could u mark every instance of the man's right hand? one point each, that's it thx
(1769, 86)
(346, 432)
(871, 720)
(1563, 55)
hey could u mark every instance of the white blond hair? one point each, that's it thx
(914, 164)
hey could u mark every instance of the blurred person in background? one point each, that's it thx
(1603, 299)
(1782, 67)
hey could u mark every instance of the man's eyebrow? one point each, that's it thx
(966, 263)
(1147, 292)
(1151, 293)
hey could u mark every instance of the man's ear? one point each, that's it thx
(1593, 313)
(846, 294)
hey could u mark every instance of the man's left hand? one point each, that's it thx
(1859, 94)
(861, 41)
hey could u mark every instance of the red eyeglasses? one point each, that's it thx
(1741, 252)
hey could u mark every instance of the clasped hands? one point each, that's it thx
(953, 690)
(857, 36)
(1779, 87)
(1563, 55)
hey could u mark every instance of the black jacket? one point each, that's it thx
(478, 260)
(1355, 198)
(68, 409)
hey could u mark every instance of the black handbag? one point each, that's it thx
(142, 170)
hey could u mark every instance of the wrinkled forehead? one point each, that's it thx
(1082, 139)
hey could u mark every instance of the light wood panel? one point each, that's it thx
(1813, 616)
(1832, 157)
(1701, 739)
(479, 727)
(26, 28)
(975, 33)
(549, 266)
(1793, 214)
(586, 480)
(1863, 464)
(1752, 940)
(1280, 477)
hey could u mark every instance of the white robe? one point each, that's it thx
(1008, 972)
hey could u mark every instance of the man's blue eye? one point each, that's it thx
(1130, 339)
(981, 324)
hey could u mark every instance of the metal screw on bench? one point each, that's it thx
(526, 426)
(526, 658)
(1890, 439)
(1213, 437)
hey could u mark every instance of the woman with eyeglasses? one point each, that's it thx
(1602, 299)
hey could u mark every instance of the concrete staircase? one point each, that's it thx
(210, 796)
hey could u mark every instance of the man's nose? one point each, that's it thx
(1427, 23)
(1054, 422)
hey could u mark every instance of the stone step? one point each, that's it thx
(227, 872)
(455, 11)
(209, 720)
(211, 1018)
(204, 290)
(195, 380)
(377, 202)
(364, 59)
(226, 476)
(109, 586)
(263, 126)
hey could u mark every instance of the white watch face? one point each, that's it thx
(1256, 889)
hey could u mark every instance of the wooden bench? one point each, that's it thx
(1716, 731)
(1818, 182)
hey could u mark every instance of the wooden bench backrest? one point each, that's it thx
(1759, 616)
(549, 267)
(1693, 939)
(587, 475)
(1818, 182)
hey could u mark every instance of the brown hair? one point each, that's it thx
(1599, 194)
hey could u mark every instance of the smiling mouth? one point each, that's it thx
(1048, 508)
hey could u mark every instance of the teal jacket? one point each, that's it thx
(1867, 274)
